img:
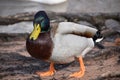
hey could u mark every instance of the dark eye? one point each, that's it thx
(41, 19)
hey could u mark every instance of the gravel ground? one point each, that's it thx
(17, 64)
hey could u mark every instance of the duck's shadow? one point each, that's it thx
(14, 63)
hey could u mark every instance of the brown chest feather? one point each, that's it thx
(40, 48)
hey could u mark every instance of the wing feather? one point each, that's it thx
(76, 29)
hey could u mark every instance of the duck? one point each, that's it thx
(50, 2)
(60, 44)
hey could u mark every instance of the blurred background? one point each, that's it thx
(8, 7)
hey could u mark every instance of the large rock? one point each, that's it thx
(112, 24)
(22, 27)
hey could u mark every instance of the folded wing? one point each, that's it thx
(76, 29)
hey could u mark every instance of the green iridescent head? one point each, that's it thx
(41, 24)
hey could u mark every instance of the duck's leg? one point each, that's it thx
(82, 69)
(48, 73)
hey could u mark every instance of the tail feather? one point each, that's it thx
(97, 37)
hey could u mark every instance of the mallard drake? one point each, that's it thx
(50, 2)
(60, 44)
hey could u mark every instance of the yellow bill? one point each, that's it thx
(36, 31)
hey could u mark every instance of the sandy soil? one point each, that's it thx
(16, 64)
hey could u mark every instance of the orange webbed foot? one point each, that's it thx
(82, 68)
(77, 74)
(47, 73)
